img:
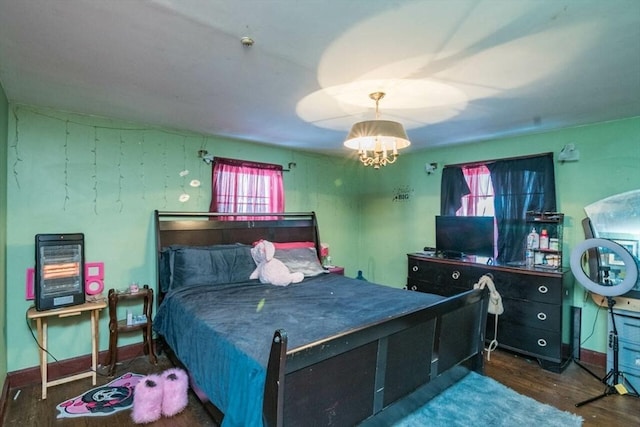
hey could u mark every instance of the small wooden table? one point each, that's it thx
(145, 296)
(41, 318)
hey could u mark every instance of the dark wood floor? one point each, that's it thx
(564, 390)
(521, 374)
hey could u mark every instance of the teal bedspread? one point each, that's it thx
(222, 333)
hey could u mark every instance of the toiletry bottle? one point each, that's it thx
(529, 258)
(544, 239)
(533, 239)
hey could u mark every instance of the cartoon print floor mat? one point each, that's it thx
(103, 400)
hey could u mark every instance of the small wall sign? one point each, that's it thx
(402, 194)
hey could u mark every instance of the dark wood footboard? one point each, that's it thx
(367, 374)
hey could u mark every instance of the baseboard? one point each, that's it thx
(63, 368)
(593, 358)
(4, 397)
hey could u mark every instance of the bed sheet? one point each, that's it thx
(223, 333)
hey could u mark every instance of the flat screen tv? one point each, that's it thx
(458, 236)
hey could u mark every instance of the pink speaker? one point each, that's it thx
(29, 292)
(93, 278)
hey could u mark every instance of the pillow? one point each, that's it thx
(293, 245)
(300, 259)
(200, 265)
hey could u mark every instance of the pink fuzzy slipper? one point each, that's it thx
(147, 400)
(176, 388)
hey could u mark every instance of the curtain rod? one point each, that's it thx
(208, 159)
(484, 162)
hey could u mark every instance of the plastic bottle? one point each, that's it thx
(529, 258)
(533, 239)
(544, 239)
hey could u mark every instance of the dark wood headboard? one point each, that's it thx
(212, 228)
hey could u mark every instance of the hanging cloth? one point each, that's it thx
(495, 307)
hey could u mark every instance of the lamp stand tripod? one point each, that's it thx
(612, 378)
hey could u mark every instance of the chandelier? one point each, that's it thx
(377, 141)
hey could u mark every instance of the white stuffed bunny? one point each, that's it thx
(270, 269)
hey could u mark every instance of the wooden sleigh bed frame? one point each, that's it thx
(379, 372)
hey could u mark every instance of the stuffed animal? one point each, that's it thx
(270, 269)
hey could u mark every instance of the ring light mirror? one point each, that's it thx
(614, 289)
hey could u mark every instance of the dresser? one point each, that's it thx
(537, 303)
(628, 327)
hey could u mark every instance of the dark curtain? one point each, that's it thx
(520, 185)
(452, 188)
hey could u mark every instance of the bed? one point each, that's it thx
(330, 350)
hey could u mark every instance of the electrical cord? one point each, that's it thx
(56, 361)
(494, 342)
(593, 328)
(26, 316)
(495, 307)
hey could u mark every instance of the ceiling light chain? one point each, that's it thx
(378, 136)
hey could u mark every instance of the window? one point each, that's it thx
(479, 202)
(519, 185)
(240, 186)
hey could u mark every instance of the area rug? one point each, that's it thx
(477, 400)
(103, 400)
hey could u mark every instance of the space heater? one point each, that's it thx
(59, 272)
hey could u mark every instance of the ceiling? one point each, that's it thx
(453, 71)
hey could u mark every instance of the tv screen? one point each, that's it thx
(464, 235)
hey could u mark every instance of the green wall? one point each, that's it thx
(609, 164)
(4, 129)
(104, 178)
(75, 173)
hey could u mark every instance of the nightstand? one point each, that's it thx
(145, 297)
(336, 270)
(41, 318)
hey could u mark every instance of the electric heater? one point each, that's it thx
(59, 270)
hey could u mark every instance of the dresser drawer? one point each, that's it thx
(529, 287)
(629, 355)
(541, 288)
(632, 378)
(462, 277)
(628, 360)
(538, 342)
(534, 314)
(429, 287)
(628, 327)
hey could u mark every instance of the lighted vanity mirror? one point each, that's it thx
(617, 218)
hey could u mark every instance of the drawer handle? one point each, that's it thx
(414, 268)
(542, 316)
(542, 342)
(543, 289)
(455, 275)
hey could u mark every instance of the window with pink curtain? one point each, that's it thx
(241, 186)
(480, 201)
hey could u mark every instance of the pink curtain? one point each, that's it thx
(480, 201)
(241, 186)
